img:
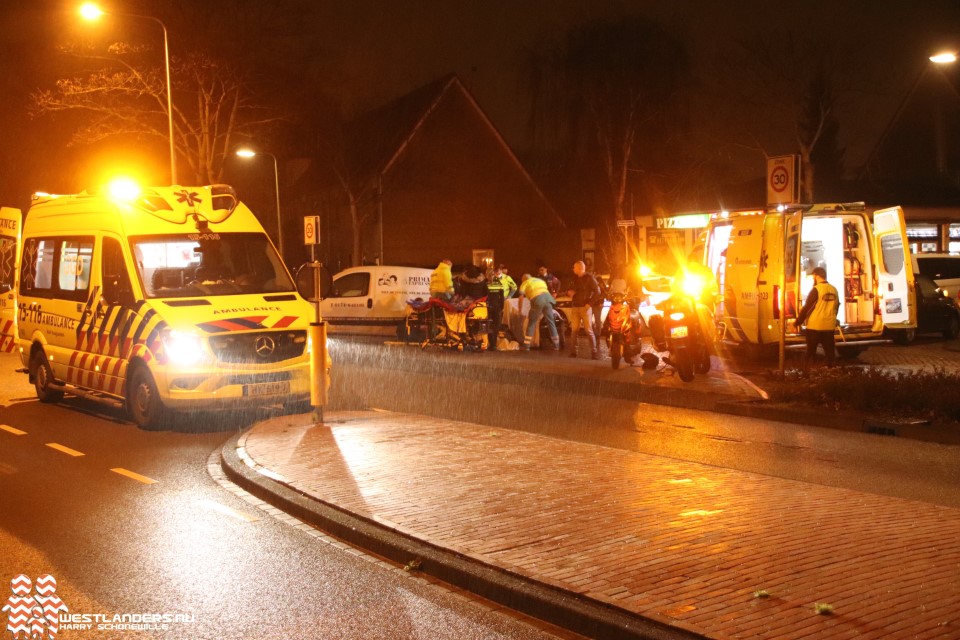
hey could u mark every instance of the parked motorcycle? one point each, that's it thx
(681, 331)
(621, 329)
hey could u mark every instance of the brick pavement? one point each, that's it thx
(677, 542)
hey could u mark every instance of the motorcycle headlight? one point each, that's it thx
(181, 347)
(692, 285)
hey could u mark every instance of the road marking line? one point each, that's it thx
(10, 429)
(134, 476)
(227, 511)
(66, 450)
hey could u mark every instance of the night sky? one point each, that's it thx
(365, 52)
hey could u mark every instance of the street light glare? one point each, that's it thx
(246, 153)
(90, 11)
(944, 58)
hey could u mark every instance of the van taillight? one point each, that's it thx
(776, 302)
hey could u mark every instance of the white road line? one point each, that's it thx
(227, 511)
(66, 450)
(133, 476)
(10, 429)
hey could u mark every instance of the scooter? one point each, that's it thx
(680, 330)
(622, 329)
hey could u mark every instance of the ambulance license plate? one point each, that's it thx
(266, 389)
(678, 332)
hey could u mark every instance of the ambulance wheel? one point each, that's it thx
(849, 353)
(143, 400)
(43, 378)
(904, 336)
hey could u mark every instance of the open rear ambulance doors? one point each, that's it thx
(10, 222)
(894, 269)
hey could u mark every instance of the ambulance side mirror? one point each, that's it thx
(115, 293)
(309, 275)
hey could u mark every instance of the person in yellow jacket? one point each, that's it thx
(441, 281)
(819, 313)
(541, 305)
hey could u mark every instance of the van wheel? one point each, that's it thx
(143, 400)
(849, 353)
(953, 328)
(43, 377)
(904, 336)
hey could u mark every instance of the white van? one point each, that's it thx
(942, 268)
(372, 300)
(172, 298)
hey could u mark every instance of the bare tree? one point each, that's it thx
(786, 98)
(212, 106)
(607, 92)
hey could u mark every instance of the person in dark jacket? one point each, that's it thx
(585, 293)
(553, 282)
(472, 283)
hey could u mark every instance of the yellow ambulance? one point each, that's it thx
(9, 241)
(866, 258)
(160, 299)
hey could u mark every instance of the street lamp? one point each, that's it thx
(942, 58)
(250, 153)
(91, 11)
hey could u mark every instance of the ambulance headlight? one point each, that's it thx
(182, 347)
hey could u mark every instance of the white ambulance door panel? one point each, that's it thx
(894, 269)
(740, 291)
(10, 220)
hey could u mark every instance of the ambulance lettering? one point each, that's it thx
(34, 314)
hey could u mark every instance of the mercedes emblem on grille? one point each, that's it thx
(265, 346)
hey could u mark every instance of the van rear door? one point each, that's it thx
(740, 289)
(10, 220)
(894, 269)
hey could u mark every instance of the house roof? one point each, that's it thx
(379, 138)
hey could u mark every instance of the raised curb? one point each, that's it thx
(591, 383)
(562, 608)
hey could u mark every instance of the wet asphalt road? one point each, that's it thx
(185, 545)
(118, 543)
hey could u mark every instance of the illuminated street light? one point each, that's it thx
(90, 11)
(250, 153)
(944, 58)
(939, 59)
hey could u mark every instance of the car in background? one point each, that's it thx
(937, 312)
(942, 268)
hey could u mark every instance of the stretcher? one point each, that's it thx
(461, 324)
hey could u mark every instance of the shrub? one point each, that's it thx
(933, 395)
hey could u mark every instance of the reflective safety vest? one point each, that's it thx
(824, 314)
(495, 285)
(533, 287)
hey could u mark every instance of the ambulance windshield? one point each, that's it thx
(208, 264)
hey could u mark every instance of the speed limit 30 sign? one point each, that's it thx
(783, 180)
(311, 230)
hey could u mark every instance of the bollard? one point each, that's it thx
(318, 368)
